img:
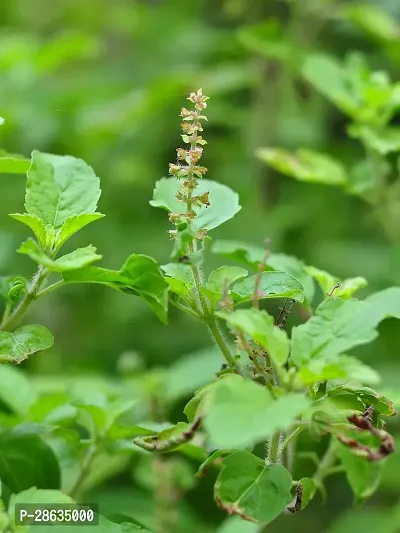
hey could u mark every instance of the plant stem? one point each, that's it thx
(11, 321)
(273, 451)
(272, 445)
(86, 464)
(185, 308)
(167, 497)
(290, 437)
(327, 462)
(6, 313)
(50, 288)
(213, 326)
(210, 319)
(261, 371)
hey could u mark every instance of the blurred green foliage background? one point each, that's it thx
(105, 81)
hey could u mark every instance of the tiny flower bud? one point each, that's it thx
(174, 169)
(239, 344)
(204, 199)
(199, 171)
(194, 155)
(185, 112)
(174, 217)
(190, 215)
(201, 234)
(187, 128)
(181, 154)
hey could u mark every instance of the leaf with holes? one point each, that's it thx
(363, 476)
(251, 489)
(305, 165)
(17, 346)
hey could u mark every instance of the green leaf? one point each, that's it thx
(327, 282)
(224, 203)
(37, 226)
(73, 224)
(260, 326)
(363, 476)
(17, 346)
(98, 416)
(251, 255)
(383, 304)
(59, 187)
(328, 76)
(242, 252)
(268, 39)
(179, 271)
(39, 496)
(372, 20)
(13, 163)
(296, 268)
(77, 259)
(272, 285)
(177, 437)
(309, 487)
(27, 461)
(368, 396)
(362, 181)
(337, 408)
(192, 408)
(179, 278)
(235, 524)
(16, 390)
(305, 165)
(384, 141)
(140, 275)
(368, 97)
(239, 412)
(342, 367)
(189, 373)
(210, 459)
(251, 489)
(224, 275)
(339, 325)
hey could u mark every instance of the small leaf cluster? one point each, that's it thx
(371, 102)
(61, 198)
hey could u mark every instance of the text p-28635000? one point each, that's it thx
(57, 514)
